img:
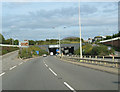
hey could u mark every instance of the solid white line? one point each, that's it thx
(52, 71)
(12, 67)
(69, 87)
(46, 65)
(2, 73)
(20, 63)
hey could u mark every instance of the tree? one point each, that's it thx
(2, 39)
(9, 41)
(16, 42)
(119, 34)
(108, 37)
(31, 42)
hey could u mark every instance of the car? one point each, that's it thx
(44, 55)
(51, 53)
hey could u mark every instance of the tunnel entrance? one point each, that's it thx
(65, 50)
(53, 50)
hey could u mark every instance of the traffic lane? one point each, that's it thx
(31, 75)
(82, 78)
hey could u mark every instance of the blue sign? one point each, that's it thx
(37, 52)
(57, 50)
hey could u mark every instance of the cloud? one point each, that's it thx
(60, 0)
(47, 18)
(31, 23)
(99, 21)
(57, 17)
(88, 9)
(110, 7)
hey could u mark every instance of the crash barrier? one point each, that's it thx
(106, 63)
(112, 58)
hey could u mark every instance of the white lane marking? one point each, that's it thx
(12, 67)
(52, 71)
(2, 73)
(20, 63)
(46, 65)
(69, 87)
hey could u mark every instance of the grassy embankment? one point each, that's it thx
(5, 50)
(99, 50)
(30, 52)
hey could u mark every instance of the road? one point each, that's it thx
(50, 73)
(9, 60)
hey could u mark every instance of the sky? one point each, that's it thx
(45, 20)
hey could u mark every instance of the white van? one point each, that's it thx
(51, 53)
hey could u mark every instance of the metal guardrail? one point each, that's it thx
(101, 57)
(107, 63)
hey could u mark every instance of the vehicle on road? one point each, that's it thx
(51, 53)
(44, 55)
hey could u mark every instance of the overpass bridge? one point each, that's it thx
(65, 48)
(113, 42)
(7, 45)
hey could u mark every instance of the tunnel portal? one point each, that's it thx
(65, 50)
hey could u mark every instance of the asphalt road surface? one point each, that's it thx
(50, 73)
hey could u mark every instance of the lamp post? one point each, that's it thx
(12, 40)
(80, 32)
(59, 43)
(59, 40)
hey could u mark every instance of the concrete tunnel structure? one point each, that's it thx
(65, 48)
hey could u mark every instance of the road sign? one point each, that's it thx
(37, 52)
(24, 43)
(57, 50)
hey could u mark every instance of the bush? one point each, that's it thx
(5, 50)
(86, 50)
(24, 53)
(30, 52)
(100, 50)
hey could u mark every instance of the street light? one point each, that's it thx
(80, 32)
(59, 43)
(59, 39)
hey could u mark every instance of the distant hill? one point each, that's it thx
(71, 38)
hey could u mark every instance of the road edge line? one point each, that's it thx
(13, 67)
(66, 84)
(2, 73)
(52, 71)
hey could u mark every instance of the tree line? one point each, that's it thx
(113, 36)
(8, 41)
(12, 41)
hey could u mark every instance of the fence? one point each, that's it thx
(95, 61)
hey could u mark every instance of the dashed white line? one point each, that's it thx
(52, 71)
(12, 67)
(69, 86)
(46, 65)
(20, 63)
(2, 73)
